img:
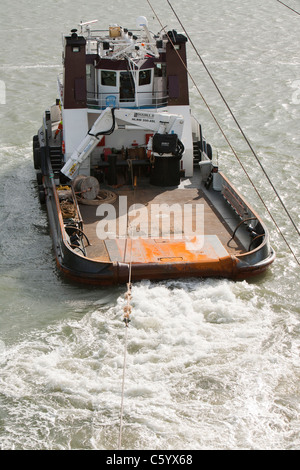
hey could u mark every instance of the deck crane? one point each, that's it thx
(111, 119)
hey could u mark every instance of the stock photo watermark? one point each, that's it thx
(157, 220)
(2, 92)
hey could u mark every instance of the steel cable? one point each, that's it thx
(223, 133)
(295, 11)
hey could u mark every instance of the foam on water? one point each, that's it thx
(204, 370)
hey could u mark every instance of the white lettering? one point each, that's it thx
(107, 227)
(162, 224)
(173, 221)
(119, 460)
(194, 226)
(160, 459)
(138, 226)
(123, 217)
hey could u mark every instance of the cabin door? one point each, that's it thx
(127, 87)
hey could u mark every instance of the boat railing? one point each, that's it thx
(142, 100)
(236, 201)
(97, 36)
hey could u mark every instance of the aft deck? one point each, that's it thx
(163, 242)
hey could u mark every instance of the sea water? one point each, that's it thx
(210, 364)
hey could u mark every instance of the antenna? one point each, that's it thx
(86, 23)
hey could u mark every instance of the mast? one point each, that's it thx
(74, 109)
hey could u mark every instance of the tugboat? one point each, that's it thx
(128, 179)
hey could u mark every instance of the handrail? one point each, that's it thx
(81, 232)
(156, 99)
(241, 223)
(255, 238)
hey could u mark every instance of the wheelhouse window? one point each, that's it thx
(108, 78)
(160, 70)
(127, 88)
(144, 77)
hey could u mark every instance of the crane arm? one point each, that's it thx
(103, 125)
(161, 123)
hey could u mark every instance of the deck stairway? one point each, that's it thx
(196, 153)
(56, 158)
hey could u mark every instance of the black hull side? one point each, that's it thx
(73, 265)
